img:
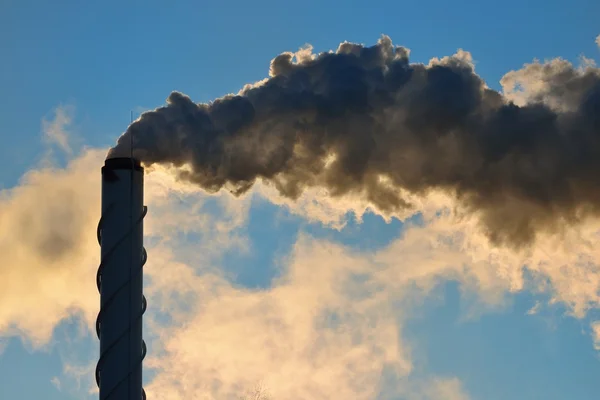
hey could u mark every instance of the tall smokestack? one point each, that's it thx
(120, 281)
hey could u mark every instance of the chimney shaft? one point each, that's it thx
(120, 281)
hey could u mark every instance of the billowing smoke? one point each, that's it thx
(365, 121)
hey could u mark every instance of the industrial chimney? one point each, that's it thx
(120, 281)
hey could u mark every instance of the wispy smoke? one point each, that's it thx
(56, 130)
(363, 120)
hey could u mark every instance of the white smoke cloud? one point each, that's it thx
(57, 129)
(596, 334)
(327, 329)
(47, 231)
(56, 383)
(446, 389)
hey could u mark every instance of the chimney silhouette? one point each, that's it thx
(120, 281)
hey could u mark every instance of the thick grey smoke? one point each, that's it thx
(343, 120)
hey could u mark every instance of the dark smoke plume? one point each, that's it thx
(524, 169)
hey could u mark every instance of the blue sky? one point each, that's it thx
(99, 61)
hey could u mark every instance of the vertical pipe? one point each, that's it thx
(120, 281)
